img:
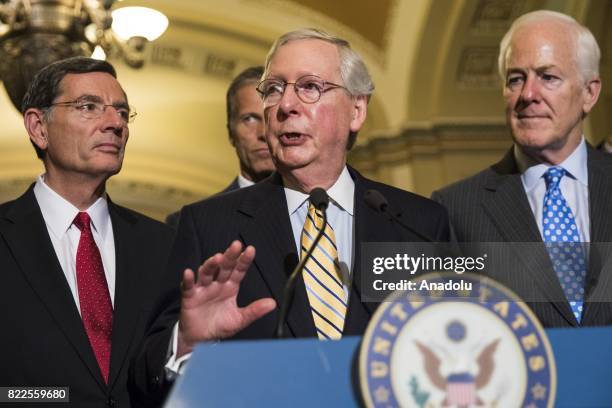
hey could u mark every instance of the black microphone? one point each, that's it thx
(376, 201)
(320, 200)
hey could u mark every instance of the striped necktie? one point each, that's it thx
(322, 278)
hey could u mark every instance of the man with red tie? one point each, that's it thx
(79, 275)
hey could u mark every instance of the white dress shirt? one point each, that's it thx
(574, 186)
(340, 216)
(59, 214)
(244, 182)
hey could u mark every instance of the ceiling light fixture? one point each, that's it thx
(35, 33)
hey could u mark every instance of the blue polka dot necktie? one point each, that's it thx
(562, 240)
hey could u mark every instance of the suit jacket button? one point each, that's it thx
(155, 380)
(111, 402)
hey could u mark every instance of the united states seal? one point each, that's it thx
(484, 348)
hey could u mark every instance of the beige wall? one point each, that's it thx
(436, 115)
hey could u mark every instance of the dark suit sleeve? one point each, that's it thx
(443, 232)
(173, 219)
(148, 383)
(439, 198)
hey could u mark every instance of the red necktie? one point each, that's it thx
(94, 298)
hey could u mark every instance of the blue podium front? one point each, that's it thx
(312, 373)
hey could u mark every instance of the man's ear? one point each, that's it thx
(360, 111)
(591, 94)
(36, 125)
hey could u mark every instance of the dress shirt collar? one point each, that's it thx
(341, 194)
(244, 182)
(532, 170)
(59, 213)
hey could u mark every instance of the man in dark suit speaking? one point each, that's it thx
(315, 95)
(78, 273)
(551, 187)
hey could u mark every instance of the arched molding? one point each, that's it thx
(455, 75)
(422, 159)
(597, 16)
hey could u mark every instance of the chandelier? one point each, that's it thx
(35, 33)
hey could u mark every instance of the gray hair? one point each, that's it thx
(585, 45)
(353, 71)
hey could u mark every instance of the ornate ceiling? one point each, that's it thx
(433, 63)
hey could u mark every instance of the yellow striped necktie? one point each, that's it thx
(322, 278)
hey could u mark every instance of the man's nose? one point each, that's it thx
(113, 118)
(261, 130)
(289, 100)
(531, 89)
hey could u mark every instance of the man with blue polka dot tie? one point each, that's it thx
(549, 198)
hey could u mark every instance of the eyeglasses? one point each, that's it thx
(308, 88)
(93, 110)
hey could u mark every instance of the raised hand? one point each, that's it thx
(208, 302)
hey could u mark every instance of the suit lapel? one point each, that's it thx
(269, 231)
(600, 194)
(27, 236)
(369, 226)
(234, 185)
(505, 202)
(600, 215)
(128, 272)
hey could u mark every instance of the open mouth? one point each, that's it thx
(291, 138)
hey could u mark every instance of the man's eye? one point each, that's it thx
(274, 88)
(311, 86)
(548, 77)
(88, 107)
(124, 113)
(514, 80)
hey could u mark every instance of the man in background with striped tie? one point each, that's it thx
(551, 188)
(315, 92)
